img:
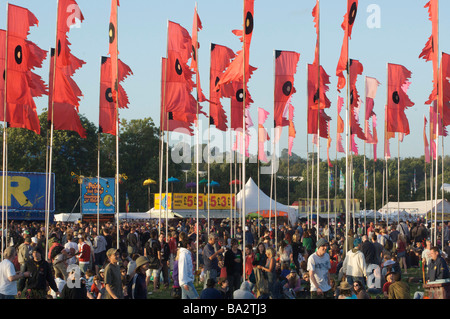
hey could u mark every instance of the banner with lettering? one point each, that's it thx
(106, 200)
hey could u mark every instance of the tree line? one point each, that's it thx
(139, 148)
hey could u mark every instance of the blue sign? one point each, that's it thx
(26, 195)
(106, 198)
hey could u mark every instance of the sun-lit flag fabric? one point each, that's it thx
(196, 27)
(65, 94)
(221, 57)
(23, 56)
(398, 99)
(347, 26)
(241, 65)
(263, 136)
(285, 70)
(316, 19)
(108, 113)
(425, 141)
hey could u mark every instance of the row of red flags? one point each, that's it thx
(229, 76)
(23, 85)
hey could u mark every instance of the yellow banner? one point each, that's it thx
(188, 201)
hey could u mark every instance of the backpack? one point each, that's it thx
(388, 245)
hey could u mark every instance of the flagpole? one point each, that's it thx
(244, 138)
(365, 135)
(4, 168)
(318, 119)
(164, 123)
(398, 180)
(347, 142)
(197, 168)
(307, 156)
(259, 179)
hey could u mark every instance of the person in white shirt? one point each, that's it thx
(318, 267)
(8, 275)
(186, 271)
(72, 248)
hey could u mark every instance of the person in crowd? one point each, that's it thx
(35, 285)
(137, 287)
(318, 268)
(354, 266)
(8, 275)
(270, 270)
(346, 291)
(401, 252)
(437, 268)
(233, 261)
(186, 271)
(398, 289)
(113, 277)
(210, 260)
(360, 291)
(244, 292)
(210, 292)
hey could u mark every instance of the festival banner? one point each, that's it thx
(26, 195)
(89, 191)
(188, 201)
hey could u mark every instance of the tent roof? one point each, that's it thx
(417, 207)
(265, 202)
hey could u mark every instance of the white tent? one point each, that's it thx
(413, 210)
(122, 216)
(265, 202)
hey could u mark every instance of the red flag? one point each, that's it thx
(347, 26)
(323, 123)
(340, 126)
(221, 57)
(64, 98)
(113, 47)
(313, 88)
(235, 72)
(178, 76)
(196, 26)
(107, 113)
(237, 98)
(398, 99)
(316, 16)
(285, 69)
(430, 51)
(263, 136)
(328, 147)
(425, 140)
(22, 84)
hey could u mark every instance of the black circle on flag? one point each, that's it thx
(112, 32)
(240, 95)
(59, 47)
(396, 97)
(249, 23)
(352, 13)
(216, 82)
(109, 95)
(18, 54)
(287, 88)
(178, 67)
(194, 54)
(316, 96)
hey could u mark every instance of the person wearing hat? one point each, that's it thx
(113, 277)
(137, 288)
(318, 267)
(354, 265)
(346, 291)
(35, 285)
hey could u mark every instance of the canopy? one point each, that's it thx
(413, 210)
(265, 203)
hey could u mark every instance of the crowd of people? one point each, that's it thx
(139, 259)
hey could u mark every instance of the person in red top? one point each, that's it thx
(173, 246)
(249, 257)
(84, 253)
(389, 280)
(401, 252)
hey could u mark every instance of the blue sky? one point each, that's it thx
(279, 25)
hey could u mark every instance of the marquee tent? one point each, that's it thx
(265, 203)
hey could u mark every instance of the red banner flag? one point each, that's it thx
(108, 113)
(347, 26)
(196, 26)
(114, 48)
(241, 65)
(398, 100)
(221, 57)
(314, 101)
(425, 141)
(263, 136)
(285, 70)
(316, 16)
(22, 84)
